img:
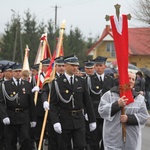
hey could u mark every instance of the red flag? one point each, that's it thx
(50, 68)
(50, 75)
(43, 53)
(121, 45)
(47, 52)
(41, 79)
(43, 37)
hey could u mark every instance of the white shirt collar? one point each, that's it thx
(102, 76)
(68, 77)
(58, 74)
(15, 80)
(5, 79)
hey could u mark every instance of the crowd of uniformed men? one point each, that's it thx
(73, 120)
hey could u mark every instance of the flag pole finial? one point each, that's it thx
(63, 25)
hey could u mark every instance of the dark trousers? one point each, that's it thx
(2, 136)
(32, 136)
(74, 138)
(87, 135)
(55, 142)
(96, 136)
(19, 133)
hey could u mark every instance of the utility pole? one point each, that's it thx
(56, 7)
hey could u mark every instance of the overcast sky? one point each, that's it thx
(87, 15)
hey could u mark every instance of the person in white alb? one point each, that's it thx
(135, 118)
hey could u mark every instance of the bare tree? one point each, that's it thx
(141, 11)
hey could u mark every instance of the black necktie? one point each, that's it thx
(101, 80)
(17, 98)
(17, 82)
(71, 81)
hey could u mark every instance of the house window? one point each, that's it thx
(110, 48)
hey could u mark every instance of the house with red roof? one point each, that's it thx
(139, 46)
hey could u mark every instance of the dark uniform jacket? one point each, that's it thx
(70, 114)
(22, 109)
(96, 86)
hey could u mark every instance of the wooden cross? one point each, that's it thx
(117, 7)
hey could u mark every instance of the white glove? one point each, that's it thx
(46, 105)
(86, 117)
(6, 121)
(92, 126)
(32, 124)
(36, 88)
(57, 127)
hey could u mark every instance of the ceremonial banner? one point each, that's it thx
(120, 34)
(46, 51)
(26, 59)
(43, 50)
(50, 75)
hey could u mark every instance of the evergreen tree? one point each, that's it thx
(10, 44)
(30, 35)
(19, 34)
(75, 44)
(52, 35)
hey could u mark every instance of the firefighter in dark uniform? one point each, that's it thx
(89, 70)
(41, 105)
(32, 80)
(69, 97)
(59, 66)
(6, 70)
(34, 69)
(98, 84)
(17, 109)
(89, 67)
(34, 72)
(54, 138)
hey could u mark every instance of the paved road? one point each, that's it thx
(146, 138)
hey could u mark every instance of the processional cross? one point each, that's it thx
(120, 34)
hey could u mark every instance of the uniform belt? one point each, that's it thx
(76, 112)
(17, 110)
